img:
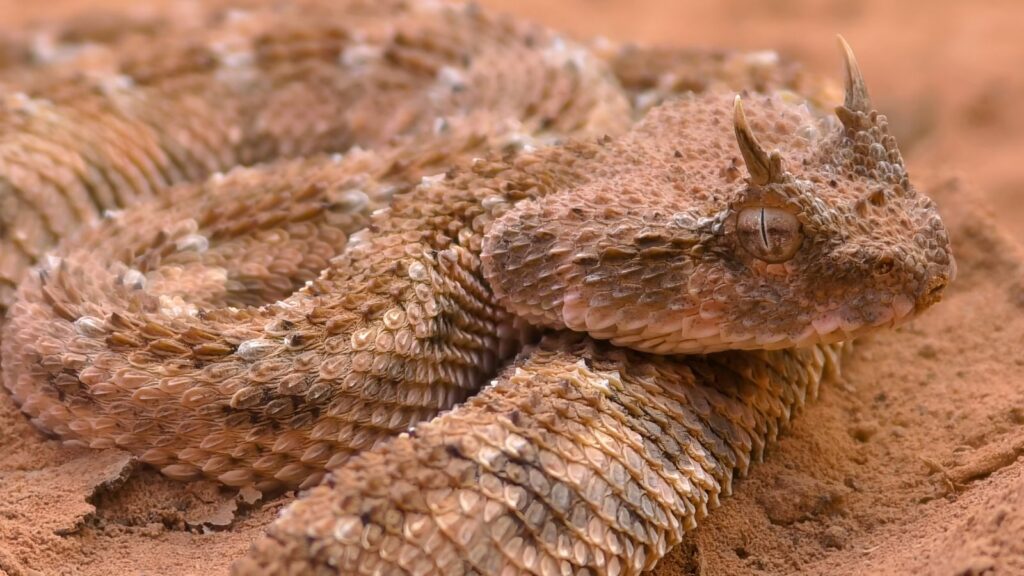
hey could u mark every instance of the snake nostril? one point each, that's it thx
(932, 292)
(884, 264)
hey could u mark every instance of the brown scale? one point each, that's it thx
(653, 74)
(146, 303)
(433, 348)
(579, 459)
(265, 326)
(76, 143)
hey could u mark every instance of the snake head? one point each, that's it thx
(836, 241)
(674, 243)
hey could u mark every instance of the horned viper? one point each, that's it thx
(499, 264)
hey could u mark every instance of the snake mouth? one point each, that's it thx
(703, 336)
(840, 324)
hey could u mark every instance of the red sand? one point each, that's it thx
(912, 465)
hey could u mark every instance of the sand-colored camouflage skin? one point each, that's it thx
(261, 248)
(76, 142)
(581, 458)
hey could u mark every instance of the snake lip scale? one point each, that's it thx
(497, 302)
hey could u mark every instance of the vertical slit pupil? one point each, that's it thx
(764, 232)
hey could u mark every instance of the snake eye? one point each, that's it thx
(770, 234)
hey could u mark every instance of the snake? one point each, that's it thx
(491, 299)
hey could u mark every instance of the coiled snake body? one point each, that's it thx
(275, 322)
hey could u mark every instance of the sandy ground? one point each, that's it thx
(913, 464)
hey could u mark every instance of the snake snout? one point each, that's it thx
(932, 290)
(941, 272)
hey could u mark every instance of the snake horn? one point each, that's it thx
(763, 168)
(857, 98)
